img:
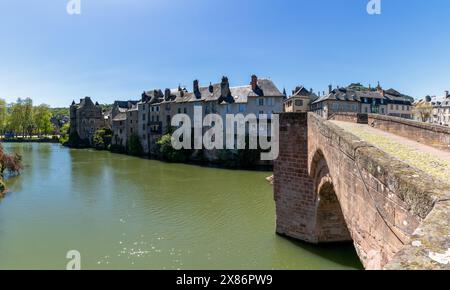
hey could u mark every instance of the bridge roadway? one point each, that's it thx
(429, 159)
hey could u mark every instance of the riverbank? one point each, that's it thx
(30, 140)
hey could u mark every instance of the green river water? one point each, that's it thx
(122, 212)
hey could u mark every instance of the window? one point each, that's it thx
(143, 117)
(143, 127)
(157, 109)
(242, 108)
(157, 118)
(185, 110)
(153, 109)
(207, 109)
(179, 110)
(260, 102)
(299, 103)
(270, 102)
(261, 112)
(382, 111)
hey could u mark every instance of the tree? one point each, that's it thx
(28, 125)
(15, 118)
(64, 131)
(423, 111)
(168, 152)
(3, 116)
(42, 119)
(102, 139)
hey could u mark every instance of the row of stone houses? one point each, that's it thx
(354, 98)
(439, 109)
(151, 116)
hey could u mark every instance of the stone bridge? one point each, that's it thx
(333, 184)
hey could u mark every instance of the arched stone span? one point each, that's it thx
(330, 221)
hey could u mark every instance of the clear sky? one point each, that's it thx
(118, 48)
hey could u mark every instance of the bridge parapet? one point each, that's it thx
(425, 133)
(396, 215)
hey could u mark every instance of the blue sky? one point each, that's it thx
(118, 48)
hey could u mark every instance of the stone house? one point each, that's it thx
(124, 121)
(300, 100)
(369, 101)
(440, 114)
(85, 118)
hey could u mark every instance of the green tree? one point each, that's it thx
(15, 118)
(168, 152)
(102, 139)
(42, 119)
(28, 124)
(3, 116)
(64, 131)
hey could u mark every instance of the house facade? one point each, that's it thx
(300, 100)
(151, 117)
(357, 99)
(440, 109)
(85, 118)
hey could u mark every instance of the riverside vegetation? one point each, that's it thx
(9, 164)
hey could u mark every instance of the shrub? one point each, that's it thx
(10, 163)
(167, 151)
(102, 139)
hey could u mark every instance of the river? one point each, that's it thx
(122, 212)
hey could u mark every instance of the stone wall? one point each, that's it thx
(429, 134)
(331, 186)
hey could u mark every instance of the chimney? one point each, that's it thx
(225, 87)
(211, 88)
(167, 94)
(196, 90)
(447, 95)
(254, 82)
(330, 88)
(311, 91)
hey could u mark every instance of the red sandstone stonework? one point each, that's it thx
(330, 186)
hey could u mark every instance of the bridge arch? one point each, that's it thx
(330, 221)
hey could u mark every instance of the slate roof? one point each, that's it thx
(239, 94)
(120, 117)
(345, 94)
